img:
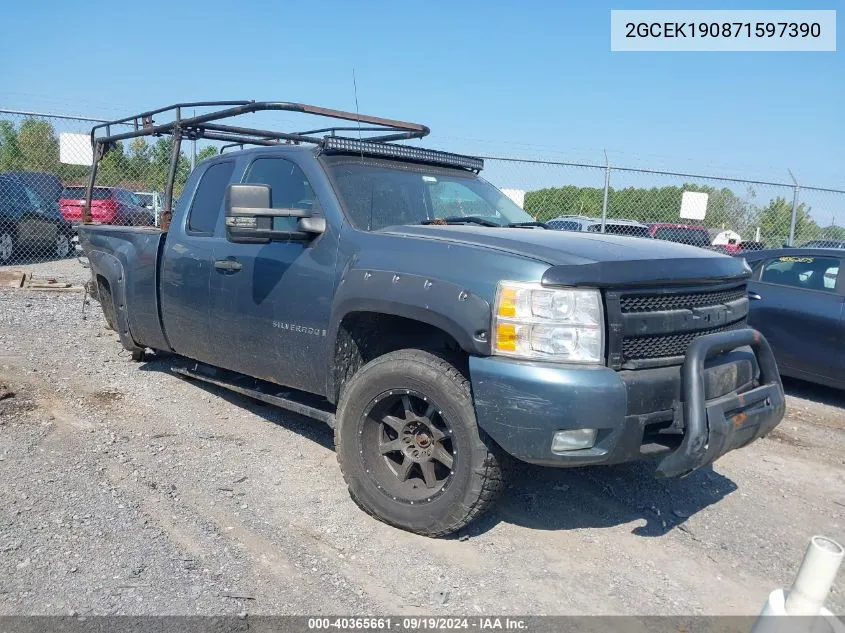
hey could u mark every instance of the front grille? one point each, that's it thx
(656, 326)
(685, 301)
(667, 345)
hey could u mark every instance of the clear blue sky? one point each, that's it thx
(528, 78)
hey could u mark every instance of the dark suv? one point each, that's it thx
(30, 225)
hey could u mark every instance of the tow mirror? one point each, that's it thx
(250, 214)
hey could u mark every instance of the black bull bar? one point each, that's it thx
(720, 425)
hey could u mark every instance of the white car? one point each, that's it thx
(152, 200)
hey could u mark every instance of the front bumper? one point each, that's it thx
(726, 395)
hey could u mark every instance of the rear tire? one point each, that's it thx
(409, 447)
(107, 303)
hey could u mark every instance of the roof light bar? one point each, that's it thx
(390, 150)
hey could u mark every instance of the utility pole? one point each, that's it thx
(606, 188)
(194, 150)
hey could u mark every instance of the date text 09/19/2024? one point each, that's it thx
(416, 624)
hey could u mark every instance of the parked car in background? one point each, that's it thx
(109, 205)
(569, 222)
(152, 200)
(823, 244)
(797, 300)
(613, 226)
(724, 240)
(29, 226)
(682, 233)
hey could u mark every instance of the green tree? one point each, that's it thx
(545, 204)
(160, 166)
(113, 168)
(38, 145)
(206, 152)
(10, 152)
(138, 161)
(833, 232)
(774, 220)
(655, 204)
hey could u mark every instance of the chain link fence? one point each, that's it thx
(724, 214)
(44, 167)
(44, 170)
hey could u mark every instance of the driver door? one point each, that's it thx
(271, 301)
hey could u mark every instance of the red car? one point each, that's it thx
(109, 205)
(683, 233)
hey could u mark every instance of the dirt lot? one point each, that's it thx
(129, 490)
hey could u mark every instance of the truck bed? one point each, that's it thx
(127, 259)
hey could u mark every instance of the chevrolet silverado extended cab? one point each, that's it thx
(392, 293)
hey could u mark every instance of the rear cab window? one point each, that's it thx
(797, 271)
(208, 199)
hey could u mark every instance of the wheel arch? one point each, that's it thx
(365, 334)
(376, 312)
(108, 268)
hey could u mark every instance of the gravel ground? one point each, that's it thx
(127, 490)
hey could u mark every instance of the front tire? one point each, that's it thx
(63, 246)
(8, 246)
(409, 446)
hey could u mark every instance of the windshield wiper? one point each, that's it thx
(525, 224)
(461, 219)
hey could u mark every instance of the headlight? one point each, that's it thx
(555, 324)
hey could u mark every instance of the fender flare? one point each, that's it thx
(108, 266)
(459, 312)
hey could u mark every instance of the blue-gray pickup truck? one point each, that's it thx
(391, 292)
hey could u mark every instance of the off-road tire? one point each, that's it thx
(476, 480)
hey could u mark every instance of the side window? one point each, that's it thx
(289, 186)
(208, 200)
(810, 273)
(6, 198)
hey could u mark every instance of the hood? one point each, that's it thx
(594, 259)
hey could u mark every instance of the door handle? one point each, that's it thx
(754, 296)
(228, 265)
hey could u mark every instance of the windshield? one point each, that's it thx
(694, 237)
(145, 199)
(377, 195)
